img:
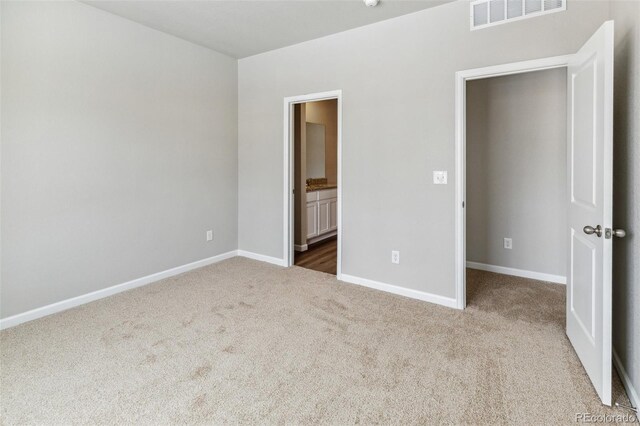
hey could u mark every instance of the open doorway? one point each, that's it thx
(313, 188)
(315, 162)
(589, 203)
(516, 174)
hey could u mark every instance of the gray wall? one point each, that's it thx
(517, 171)
(397, 78)
(119, 151)
(626, 183)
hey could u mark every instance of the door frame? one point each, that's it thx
(461, 78)
(289, 171)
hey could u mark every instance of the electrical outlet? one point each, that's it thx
(508, 244)
(395, 257)
(209, 235)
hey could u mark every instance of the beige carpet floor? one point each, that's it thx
(247, 342)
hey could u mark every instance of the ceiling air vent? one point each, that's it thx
(486, 13)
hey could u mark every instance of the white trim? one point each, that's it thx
(541, 276)
(626, 381)
(339, 207)
(261, 257)
(514, 68)
(63, 305)
(461, 78)
(460, 188)
(288, 202)
(301, 247)
(401, 291)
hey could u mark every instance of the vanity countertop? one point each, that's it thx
(312, 188)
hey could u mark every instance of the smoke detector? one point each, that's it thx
(371, 3)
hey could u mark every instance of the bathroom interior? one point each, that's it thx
(316, 170)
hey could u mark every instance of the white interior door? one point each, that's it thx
(590, 148)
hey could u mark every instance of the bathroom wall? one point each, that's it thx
(326, 113)
(316, 150)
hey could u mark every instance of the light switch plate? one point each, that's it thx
(508, 243)
(440, 177)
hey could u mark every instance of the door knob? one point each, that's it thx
(620, 233)
(591, 230)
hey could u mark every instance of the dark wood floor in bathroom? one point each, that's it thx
(322, 256)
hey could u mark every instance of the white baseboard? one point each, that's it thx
(109, 291)
(402, 291)
(301, 247)
(558, 279)
(139, 282)
(626, 381)
(261, 257)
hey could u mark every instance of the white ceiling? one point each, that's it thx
(241, 28)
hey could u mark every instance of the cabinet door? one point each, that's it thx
(312, 220)
(323, 216)
(333, 214)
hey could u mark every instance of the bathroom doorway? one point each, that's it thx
(314, 203)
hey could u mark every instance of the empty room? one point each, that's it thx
(319, 212)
